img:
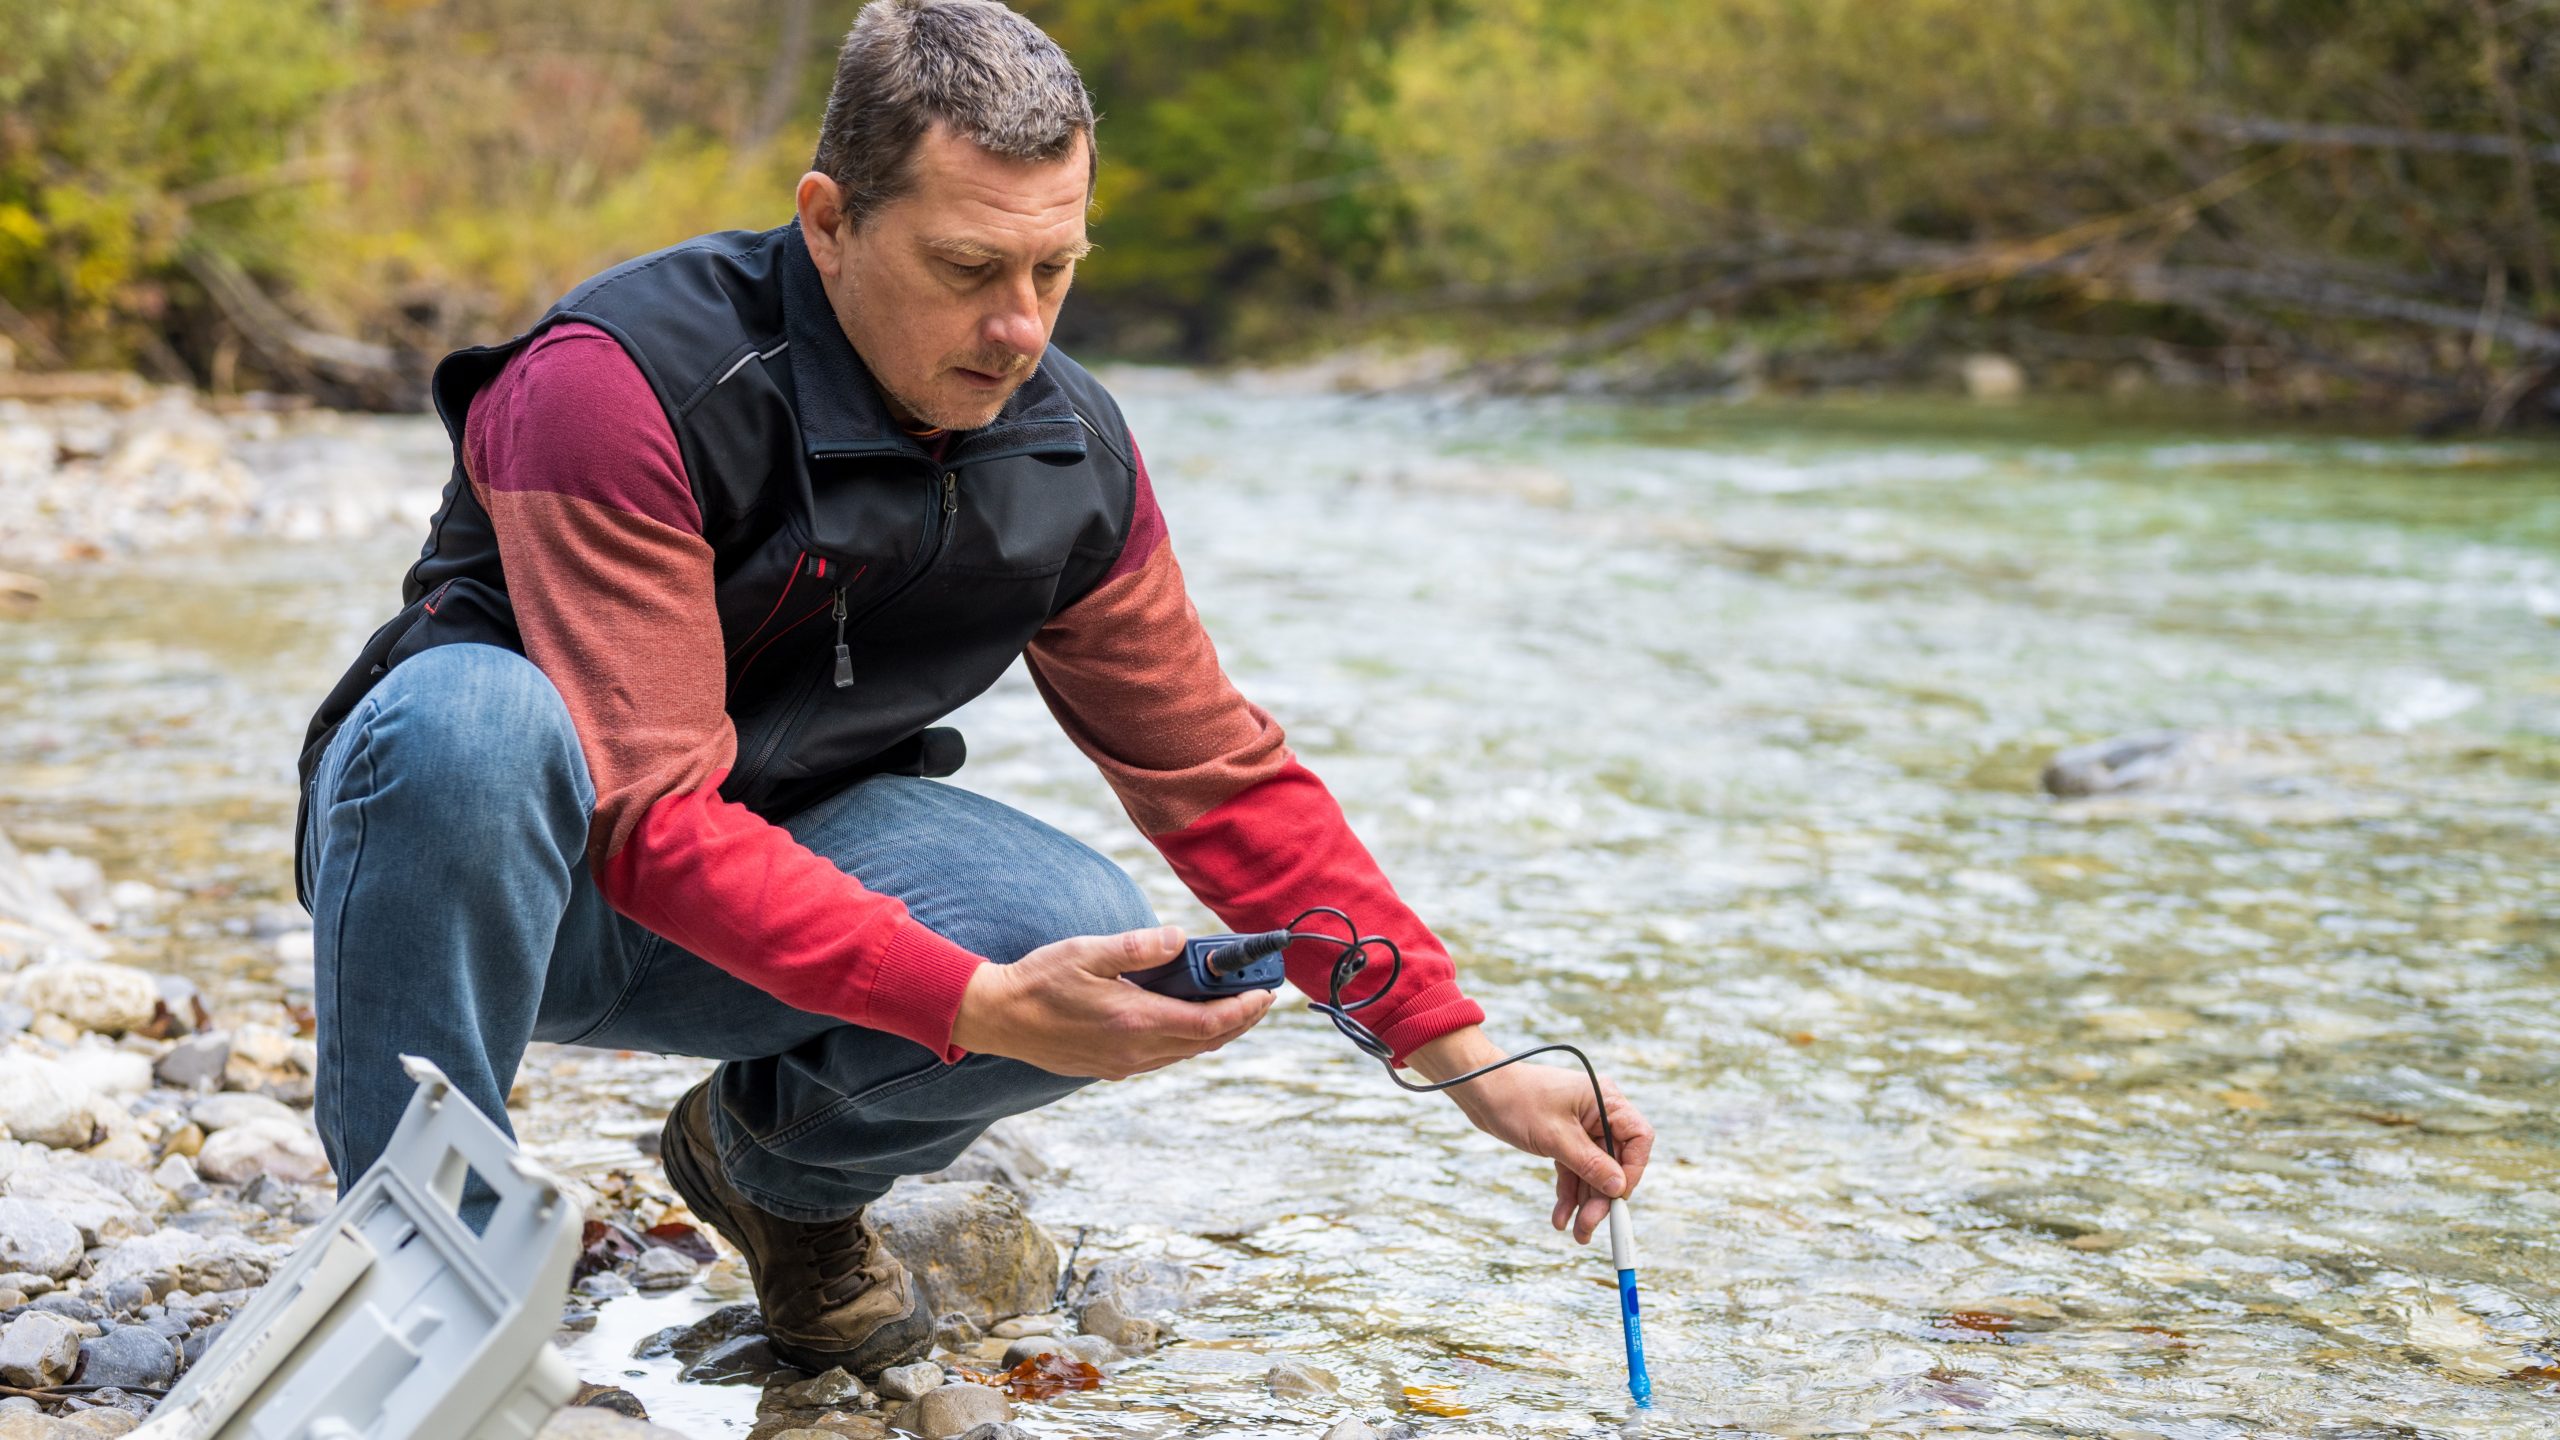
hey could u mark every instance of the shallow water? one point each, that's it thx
(1709, 739)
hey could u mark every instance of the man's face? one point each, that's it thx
(949, 292)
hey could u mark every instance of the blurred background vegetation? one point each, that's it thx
(2316, 202)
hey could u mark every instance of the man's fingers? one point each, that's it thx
(1593, 1164)
(1129, 950)
(1585, 1224)
(1568, 1190)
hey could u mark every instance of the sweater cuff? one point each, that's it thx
(1428, 1016)
(916, 984)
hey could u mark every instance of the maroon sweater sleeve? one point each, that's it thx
(571, 455)
(1208, 777)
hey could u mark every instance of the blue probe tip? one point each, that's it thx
(1639, 1384)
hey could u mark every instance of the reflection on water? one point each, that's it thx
(1710, 740)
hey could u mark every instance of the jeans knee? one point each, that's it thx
(1093, 896)
(467, 724)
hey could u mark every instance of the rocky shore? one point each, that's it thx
(143, 469)
(158, 1163)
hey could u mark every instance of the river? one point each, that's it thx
(1709, 737)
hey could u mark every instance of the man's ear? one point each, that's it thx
(821, 207)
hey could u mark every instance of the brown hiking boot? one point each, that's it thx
(832, 1293)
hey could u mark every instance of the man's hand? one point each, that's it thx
(1547, 1111)
(1064, 1008)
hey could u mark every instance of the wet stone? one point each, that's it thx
(661, 1268)
(1298, 1380)
(603, 1285)
(1092, 1350)
(1021, 1325)
(690, 1342)
(1351, 1430)
(950, 1411)
(910, 1382)
(970, 1247)
(584, 1422)
(836, 1387)
(610, 1398)
(128, 1355)
(741, 1360)
(996, 1430)
(1031, 1347)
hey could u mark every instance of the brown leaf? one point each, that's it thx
(1053, 1373)
(684, 1240)
(1427, 1399)
(1974, 1324)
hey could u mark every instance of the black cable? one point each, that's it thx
(1353, 961)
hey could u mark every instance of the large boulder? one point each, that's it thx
(1003, 1154)
(971, 1249)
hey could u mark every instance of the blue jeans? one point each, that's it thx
(455, 918)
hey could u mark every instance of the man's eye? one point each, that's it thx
(972, 271)
(1053, 268)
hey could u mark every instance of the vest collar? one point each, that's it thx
(842, 414)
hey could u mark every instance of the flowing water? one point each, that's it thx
(1709, 738)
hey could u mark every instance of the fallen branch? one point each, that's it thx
(337, 369)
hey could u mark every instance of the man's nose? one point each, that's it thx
(1014, 325)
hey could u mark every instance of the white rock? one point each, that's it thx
(281, 1148)
(175, 1174)
(240, 1107)
(109, 999)
(262, 1045)
(1350, 1430)
(102, 1216)
(43, 1102)
(162, 1250)
(39, 1348)
(109, 1072)
(34, 1239)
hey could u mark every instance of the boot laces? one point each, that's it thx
(837, 1253)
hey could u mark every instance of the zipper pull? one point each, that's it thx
(844, 653)
(950, 493)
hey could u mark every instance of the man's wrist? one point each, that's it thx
(1461, 1050)
(978, 1024)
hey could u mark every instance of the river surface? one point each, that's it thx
(1710, 739)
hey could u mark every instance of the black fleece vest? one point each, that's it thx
(804, 484)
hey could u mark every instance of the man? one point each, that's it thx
(646, 760)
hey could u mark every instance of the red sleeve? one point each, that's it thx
(571, 455)
(1208, 777)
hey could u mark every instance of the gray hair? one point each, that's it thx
(974, 65)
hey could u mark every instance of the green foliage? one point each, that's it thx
(1222, 138)
(131, 128)
(428, 172)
